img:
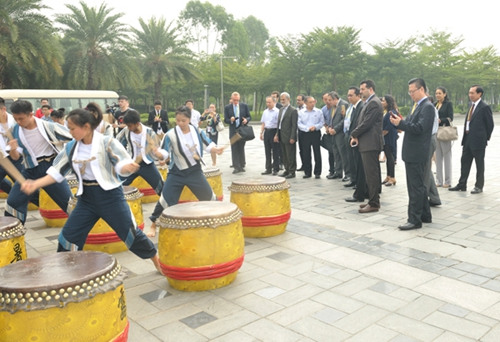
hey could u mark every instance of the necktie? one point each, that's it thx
(471, 111)
(414, 107)
(237, 115)
(157, 113)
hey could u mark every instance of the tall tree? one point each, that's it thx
(204, 22)
(97, 54)
(162, 52)
(28, 47)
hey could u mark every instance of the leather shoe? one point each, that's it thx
(317, 176)
(353, 199)
(368, 209)
(266, 173)
(242, 170)
(434, 204)
(275, 173)
(458, 188)
(363, 205)
(330, 176)
(476, 191)
(409, 226)
(306, 176)
(236, 171)
(348, 185)
(336, 176)
(345, 179)
(284, 174)
(291, 175)
(427, 220)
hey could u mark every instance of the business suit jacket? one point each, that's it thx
(480, 127)
(337, 122)
(288, 128)
(418, 132)
(229, 113)
(369, 128)
(445, 113)
(164, 124)
(355, 116)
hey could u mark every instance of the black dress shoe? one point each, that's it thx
(458, 188)
(427, 220)
(242, 170)
(348, 185)
(317, 176)
(476, 191)
(345, 179)
(284, 174)
(336, 176)
(330, 176)
(434, 204)
(291, 175)
(266, 173)
(353, 199)
(306, 176)
(275, 173)
(409, 226)
(236, 171)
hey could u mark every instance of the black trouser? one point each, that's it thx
(289, 156)
(311, 139)
(389, 155)
(468, 155)
(351, 158)
(371, 167)
(418, 205)
(238, 154)
(272, 150)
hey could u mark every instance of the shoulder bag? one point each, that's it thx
(447, 133)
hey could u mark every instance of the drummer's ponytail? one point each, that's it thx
(82, 116)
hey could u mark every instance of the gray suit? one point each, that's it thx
(339, 147)
(287, 131)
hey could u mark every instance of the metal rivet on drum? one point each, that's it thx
(95, 284)
(7, 301)
(12, 295)
(23, 301)
(15, 300)
(101, 283)
(91, 282)
(48, 298)
(74, 293)
(77, 287)
(53, 292)
(19, 295)
(31, 300)
(28, 295)
(61, 291)
(84, 285)
(69, 289)
(89, 288)
(65, 295)
(81, 291)
(56, 297)
(44, 294)
(39, 299)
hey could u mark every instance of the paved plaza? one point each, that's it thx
(335, 274)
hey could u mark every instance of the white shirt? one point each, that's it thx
(270, 118)
(37, 143)
(195, 118)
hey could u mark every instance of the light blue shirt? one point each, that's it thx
(310, 118)
(270, 118)
(327, 114)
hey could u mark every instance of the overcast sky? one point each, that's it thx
(389, 20)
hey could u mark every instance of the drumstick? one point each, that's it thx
(11, 169)
(234, 139)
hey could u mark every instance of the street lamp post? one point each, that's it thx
(222, 80)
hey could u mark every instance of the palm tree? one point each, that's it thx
(97, 54)
(28, 47)
(163, 53)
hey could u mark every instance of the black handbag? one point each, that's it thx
(326, 141)
(246, 132)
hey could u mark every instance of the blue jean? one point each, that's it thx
(111, 206)
(150, 174)
(17, 202)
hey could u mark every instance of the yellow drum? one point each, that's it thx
(214, 178)
(73, 296)
(51, 213)
(200, 245)
(103, 238)
(265, 203)
(12, 246)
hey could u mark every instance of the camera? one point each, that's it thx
(111, 109)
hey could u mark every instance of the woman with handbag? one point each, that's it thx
(443, 148)
(213, 127)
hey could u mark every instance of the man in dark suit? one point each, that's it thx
(353, 155)
(477, 131)
(336, 129)
(235, 115)
(300, 105)
(287, 135)
(158, 119)
(416, 144)
(368, 137)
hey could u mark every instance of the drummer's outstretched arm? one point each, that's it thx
(32, 185)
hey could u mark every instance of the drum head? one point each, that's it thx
(55, 271)
(10, 227)
(259, 184)
(200, 214)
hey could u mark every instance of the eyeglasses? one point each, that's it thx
(412, 91)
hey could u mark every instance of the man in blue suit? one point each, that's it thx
(416, 144)
(235, 115)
